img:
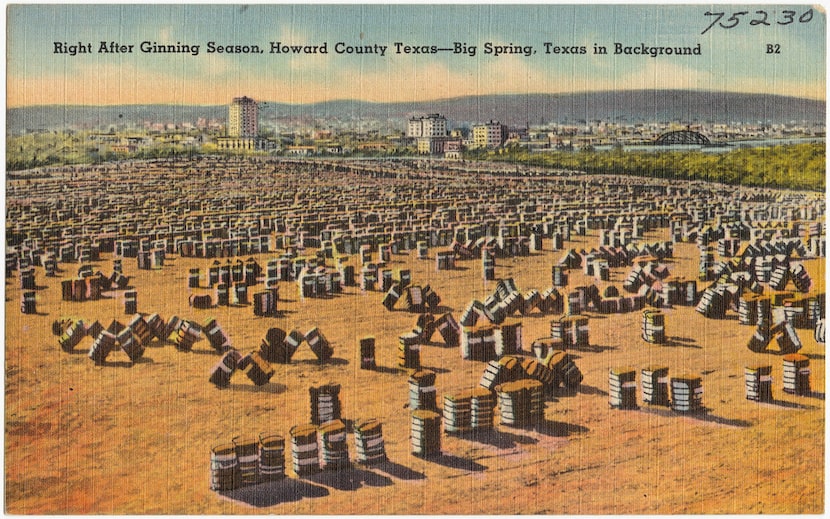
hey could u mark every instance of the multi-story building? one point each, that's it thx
(489, 135)
(439, 146)
(243, 127)
(452, 149)
(243, 118)
(432, 125)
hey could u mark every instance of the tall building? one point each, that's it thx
(489, 135)
(243, 118)
(432, 125)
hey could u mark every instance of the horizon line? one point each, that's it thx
(437, 100)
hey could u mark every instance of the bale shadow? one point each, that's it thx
(275, 492)
(334, 361)
(200, 351)
(775, 402)
(435, 369)
(498, 438)
(682, 339)
(550, 395)
(398, 471)
(456, 462)
(560, 429)
(441, 309)
(507, 434)
(678, 342)
(350, 479)
(780, 353)
(271, 387)
(585, 389)
(593, 348)
(117, 364)
(565, 391)
(702, 415)
(387, 370)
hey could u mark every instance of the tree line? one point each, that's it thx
(795, 166)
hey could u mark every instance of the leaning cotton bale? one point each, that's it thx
(449, 329)
(319, 345)
(71, 334)
(257, 369)
(186, 335)
(392, 296)
(273, 347)
(220, 374)
(217, 337)
(130, 344)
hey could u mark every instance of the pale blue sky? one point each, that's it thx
(733, 59)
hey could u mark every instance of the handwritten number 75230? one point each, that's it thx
(785, 17)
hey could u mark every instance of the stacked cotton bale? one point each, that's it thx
(686, 393)
(655, 385)
(521, 403)
(87, 286)
(369, 444)
(572, 330)
(422, 392)
(758, 382)
(325, 403)
(622, 388)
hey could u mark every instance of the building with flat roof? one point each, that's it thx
(243, 118)
(432, 125)
(489, 135)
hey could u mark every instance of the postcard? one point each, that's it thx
(388, 259)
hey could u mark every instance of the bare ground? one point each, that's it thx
(129, 438)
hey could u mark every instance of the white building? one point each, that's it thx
(432, 125)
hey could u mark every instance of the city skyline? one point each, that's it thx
(784, 59)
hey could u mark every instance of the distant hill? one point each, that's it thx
(513, 109)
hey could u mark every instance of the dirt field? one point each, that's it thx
(127, 438)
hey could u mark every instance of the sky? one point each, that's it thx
(766, 51)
